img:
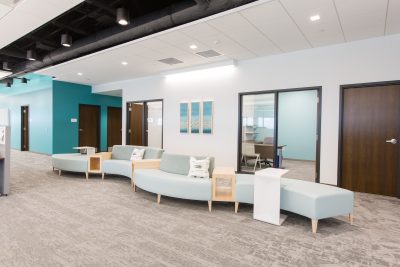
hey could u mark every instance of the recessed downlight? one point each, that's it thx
(124, 63)
(193, 47)
(315, 17)
(79, 73)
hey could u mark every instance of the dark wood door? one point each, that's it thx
(136, 123)
(114, 125)
(89, 126)
(370, 119)
(25, 128)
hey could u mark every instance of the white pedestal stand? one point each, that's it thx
(267, 196)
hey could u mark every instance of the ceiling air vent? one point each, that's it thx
(170, 61)
(209, 53)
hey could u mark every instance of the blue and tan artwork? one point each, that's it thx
(184, 117)
(207, 117)
(195, 118)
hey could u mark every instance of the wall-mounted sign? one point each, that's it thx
(2, 135)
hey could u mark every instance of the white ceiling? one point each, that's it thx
(259, 29)
(17, 18)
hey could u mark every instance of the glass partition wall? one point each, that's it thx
(280, 129)
(145, 123)
(257, 131)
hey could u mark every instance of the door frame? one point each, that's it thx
(276, 92)
(108, 132)
(99, 123)
(340, 143)
(145, 123)
(22, 128)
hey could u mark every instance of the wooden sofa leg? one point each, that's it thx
(102, 175)
(236, 207)
(209, 205)
(158, 199)
(314, 225)
(87, 176)
(351, 220)
(59, 172)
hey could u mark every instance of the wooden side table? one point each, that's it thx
(94, 165)
(223, 184)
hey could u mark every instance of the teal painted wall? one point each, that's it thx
(37, 94)
(66, 100)
(297, 124)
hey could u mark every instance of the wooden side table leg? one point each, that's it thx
(158, 199)
(209, 205)
(102, 175)
(236, 207)
(87, 176)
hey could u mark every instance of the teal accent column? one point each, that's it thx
(66, 100)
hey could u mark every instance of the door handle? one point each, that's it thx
(392, 141)
(81, 130)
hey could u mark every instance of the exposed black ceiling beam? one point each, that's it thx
(43, 41)
(104, 7)
(70, 28)
(12, 53)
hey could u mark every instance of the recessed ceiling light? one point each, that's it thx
(193, 47)
(124, 63)
(80, 73)
(315, 18)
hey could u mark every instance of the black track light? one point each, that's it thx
(24, 80)
(31, 54)
(9, 83)
(122, 16)
(66, 40)
(5, 66)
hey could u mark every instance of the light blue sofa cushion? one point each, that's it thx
(153, 153)
(123, 152)
(74, 162)
(313, 200)
(244, 188)
(118, 167)
(173, 185)
(180, 164)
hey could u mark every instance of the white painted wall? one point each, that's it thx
(358, 62)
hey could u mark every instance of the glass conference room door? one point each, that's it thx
(257, 132)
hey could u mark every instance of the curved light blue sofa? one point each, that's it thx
(172, 180)
(74, 162)
(120, 162)
(313, 200)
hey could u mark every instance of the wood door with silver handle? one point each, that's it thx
(392, 141)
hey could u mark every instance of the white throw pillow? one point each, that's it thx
(137, 154)
(199, 168)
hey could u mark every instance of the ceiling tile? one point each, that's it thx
(325, 31)
(274, 22)
(236, 27)
(393, 17)
(362, 18)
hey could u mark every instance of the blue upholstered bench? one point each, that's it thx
(312, 200)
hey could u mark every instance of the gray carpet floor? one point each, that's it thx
(49, 220)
